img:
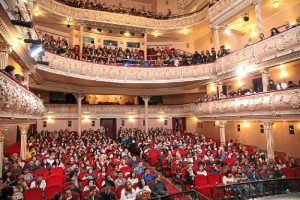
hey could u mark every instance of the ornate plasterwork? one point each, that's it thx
(278, 49)
(18, 102)
(223, 10)
(273, 105)
(122, 19)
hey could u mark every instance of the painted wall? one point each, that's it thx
(98, 39)
(122, 99)
(11, 136)
(181, 99)
(187, 46)
(250, 135)
(57, 124)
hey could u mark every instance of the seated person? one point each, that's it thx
(189, 175)
(214, 169)
(139, 169)
(68, 195)
(291, 84)
(39, 182)
(128, 193)
(75, 187)
(281, 85)
(107, 194)
(133, 162)
(201, 170)
(158, 187)
(142, 190)
(92, 195)
(89, 175)
(120, 180)
(229, 179)
(90, 184)
(147, 176)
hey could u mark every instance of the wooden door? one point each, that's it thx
(110, 126)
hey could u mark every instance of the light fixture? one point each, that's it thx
(161, 118)
(240, 24)
(239, 83)
(241, 71)
(185, 32)
(253, 34)
(86, 118)
(246, 124)
(127, 34)
(131, 119)
(226, 30)
(276, 4)
(283, 74)
(49, 120)
(212, 87)
(35, 50)
(36, 13)
(68, 23)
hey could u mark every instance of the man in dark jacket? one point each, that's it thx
(107, 194)
(158, 187)
(92, 195)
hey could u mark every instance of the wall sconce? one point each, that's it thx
(283, 74)
(239, 83)
(226, 30)
(246, 124)
(86, 119)
(161, 118)
(131, 119)
(49, 120)
(253, 34)
(36, 13)
(212, 87)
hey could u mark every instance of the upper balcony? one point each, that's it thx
(281, 48)
(17, 102)
(90, 15)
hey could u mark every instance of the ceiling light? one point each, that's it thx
(184, 32)
(240, 24)
(155, 34)
(253, 34)
(276, 4)
(36, 13)
(127, 34)
(241, 71)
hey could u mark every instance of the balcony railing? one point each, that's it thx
(107, 73)
(16, 101)
(123, 19)
(275, 104)
(253, 58)
(268, 105)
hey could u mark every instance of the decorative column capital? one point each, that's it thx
(214, 27)
(264, 71)
(26, 72)
(220, 82)
(3, 132)
(79, 96)
(268, 124)
(24, 128)
(4, 47)
(257, 2)
(222, 124)
(146, 98)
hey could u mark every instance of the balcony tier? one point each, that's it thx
(17, 102)
(122, 19)
(270, 52)
(271, 105)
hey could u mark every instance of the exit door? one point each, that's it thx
(110, 126)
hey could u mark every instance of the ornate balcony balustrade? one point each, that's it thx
(275, 50)
(269, 105)
(16, 101)
(94, 111)
(107, 73)
(122, 19)
(278, 104)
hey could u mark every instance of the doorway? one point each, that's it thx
(179, 124)
(110, 126)
(257, 84)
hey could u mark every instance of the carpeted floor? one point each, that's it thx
(170, 186)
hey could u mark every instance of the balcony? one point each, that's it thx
(17, 102)
(281, 48)
(270, 105)
(123, 19)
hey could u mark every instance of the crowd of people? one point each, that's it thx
(281, 85)
(89, 4)
(97, 167)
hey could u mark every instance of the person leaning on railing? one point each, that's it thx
(230, 179)
(254, 176)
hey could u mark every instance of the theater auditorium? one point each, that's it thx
(149, 99)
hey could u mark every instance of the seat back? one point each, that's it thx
(213, 179)
(51, 190)
(33, 194)
(297, 172)
(56, 170)
(119, 190)
(288, 172)
(200, 180)
(45, 173)
(55, 180)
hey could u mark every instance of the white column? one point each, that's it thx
(257, 4)
(23, 129)
(4, 50)
(220, 87)
(222, 131)
(146, 100)
(79, 98)
(270, 141)
(3, 132)
(26, 77)
(145, 43)
(81, 41)
(265, 79)
(217, 38)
